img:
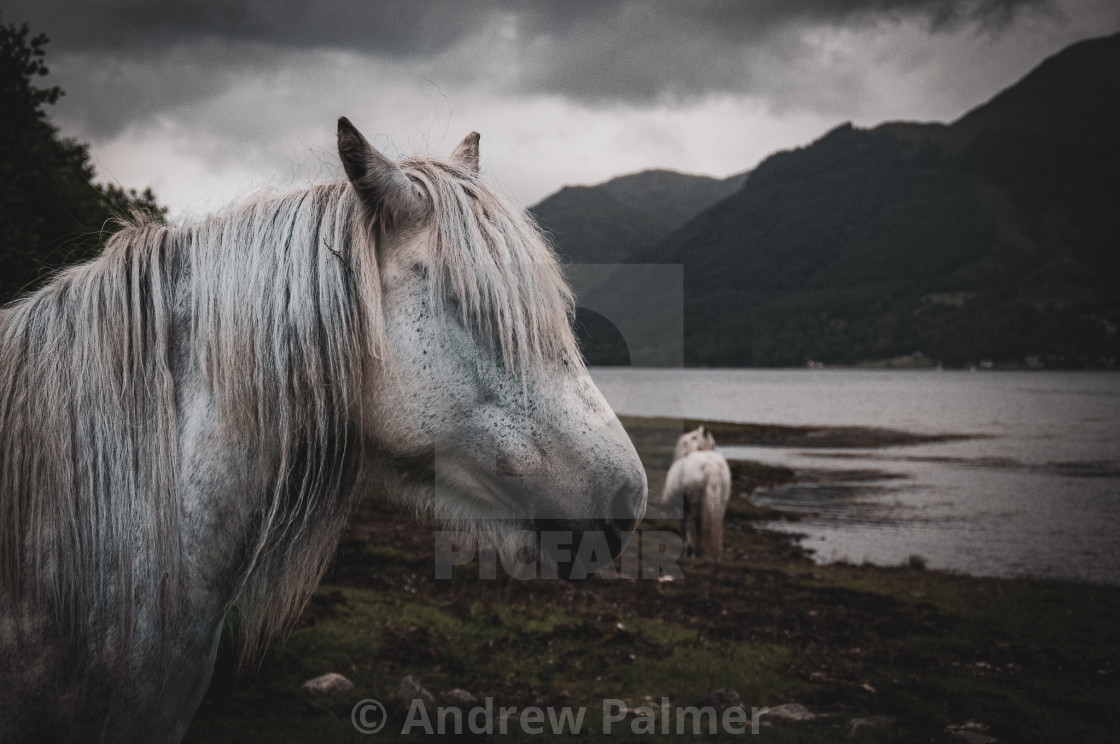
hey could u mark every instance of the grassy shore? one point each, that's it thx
(918, 651)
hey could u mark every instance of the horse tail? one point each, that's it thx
(717, 490)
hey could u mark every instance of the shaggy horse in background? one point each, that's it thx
(701, 478)
(694, 441)
(187, 421)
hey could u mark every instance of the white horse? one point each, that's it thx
(701, 478)
(186, 422)
(694, 441)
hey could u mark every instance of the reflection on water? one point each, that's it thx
(1039, 495)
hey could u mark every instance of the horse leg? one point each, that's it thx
(712, 507)
(685, 526)
(694, 540)
(712, 510)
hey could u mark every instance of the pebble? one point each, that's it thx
(328, 683)
(411, 689)
(789, 712)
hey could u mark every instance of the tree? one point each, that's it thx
(51, 212)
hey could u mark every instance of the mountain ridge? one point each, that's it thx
(994, 237)
(611, 221)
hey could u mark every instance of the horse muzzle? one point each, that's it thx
(577, 548)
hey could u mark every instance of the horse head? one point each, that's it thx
(696, 440)
(481, 410)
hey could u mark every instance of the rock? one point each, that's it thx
(720, 699)
(328, 683)
(789, 712)
(971, 732)
(459, 698)
(411, 689)
(972, 737)
(869, 728)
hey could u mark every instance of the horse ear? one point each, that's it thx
(378, 180)
(466, 153)
(701, 429)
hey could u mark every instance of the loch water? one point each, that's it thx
(1036, 492)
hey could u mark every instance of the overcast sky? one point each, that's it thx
(210, 100)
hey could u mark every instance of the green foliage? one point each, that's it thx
(51, 212)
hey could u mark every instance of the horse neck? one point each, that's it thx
(272, 471)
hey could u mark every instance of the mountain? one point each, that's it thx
(611, 222)
(588, 225)
(995, 237)
(1070, 97)
(668, 197)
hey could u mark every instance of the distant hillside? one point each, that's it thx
(993, 238)
(588, 225)
(1071, 97)
(611, 222)
(668, 197)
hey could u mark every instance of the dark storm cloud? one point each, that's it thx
(138, 26)
(587, 50)
(191, 96)
(129, 63)
(639, 51)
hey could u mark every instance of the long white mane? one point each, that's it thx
(276, 307)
